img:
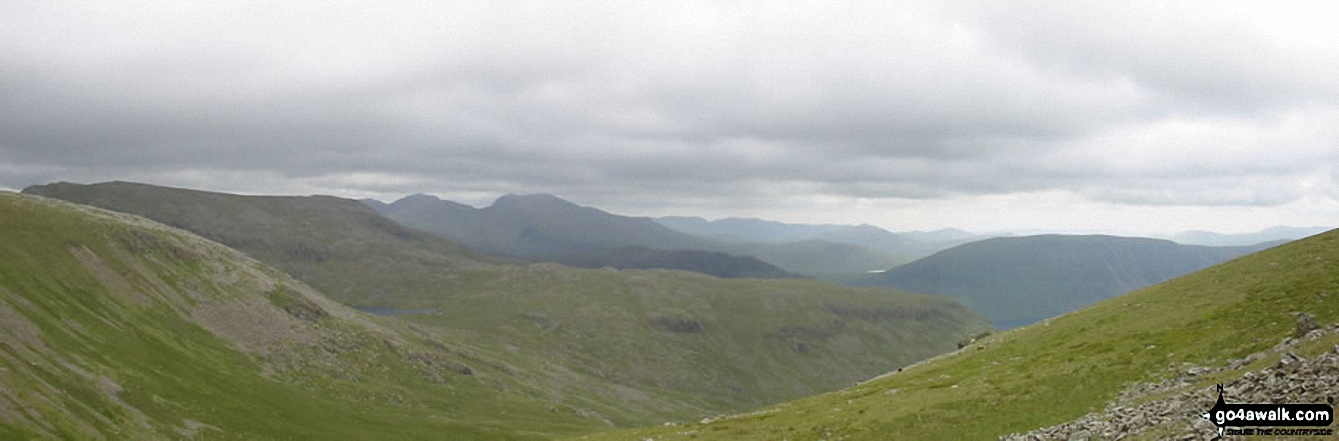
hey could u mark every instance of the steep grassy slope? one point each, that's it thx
(115, 327)
(1015, 281)
(1061, 369)
(629, 346)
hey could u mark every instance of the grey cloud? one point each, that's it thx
(1201, 193)
(1204, 58)
(707, 101)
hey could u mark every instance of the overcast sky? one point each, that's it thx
(1124, 116)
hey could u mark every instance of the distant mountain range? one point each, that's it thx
(547, 228)
(902, 245)
(538, 225)
(1014, 281)
(1266, 235)
(736, 229)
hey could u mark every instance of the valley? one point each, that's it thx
(479, 346)
(628, 347)
(1225, 324)
(668, 221)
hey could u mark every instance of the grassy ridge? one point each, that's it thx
(116, 327)
(630, 347)
(1060, 369)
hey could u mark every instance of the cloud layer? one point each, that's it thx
(699, 105)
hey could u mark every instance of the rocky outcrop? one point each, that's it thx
(1171, 408)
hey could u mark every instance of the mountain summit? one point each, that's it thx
(533, 201)
(534, 226)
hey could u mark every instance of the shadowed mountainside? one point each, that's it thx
(906, 246)
(706, 262)
(1015, 281)
(537, 225)
(546, 228)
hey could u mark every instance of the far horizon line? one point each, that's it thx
(1030, 231)
(995, 232)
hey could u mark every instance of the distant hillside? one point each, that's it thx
(901, 247)
(1143, 366)
(1015, 281)
(1266, 235)
(905, 245)
(706, 262)
(116, 327)
(625, 346)
(943, 235)
(547, 228)
(737, 229)
(534, 226)
(816, 258)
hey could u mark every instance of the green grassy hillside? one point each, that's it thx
(1015, 281)
(115, 327)
(1058, 370)
(631, 347)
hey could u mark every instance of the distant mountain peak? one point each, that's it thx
(420, 197)
(1274, 233)
(420, 201)
(531, 200)
(691, 219)
(376, 204)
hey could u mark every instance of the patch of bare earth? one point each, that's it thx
(190, 428)
(112, 391)
(109, 278)
(23, 338)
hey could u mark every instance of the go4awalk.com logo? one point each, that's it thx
(1270, 419)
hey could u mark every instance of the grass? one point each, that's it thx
(102, 337)
(589, 340)
(1061, 369)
